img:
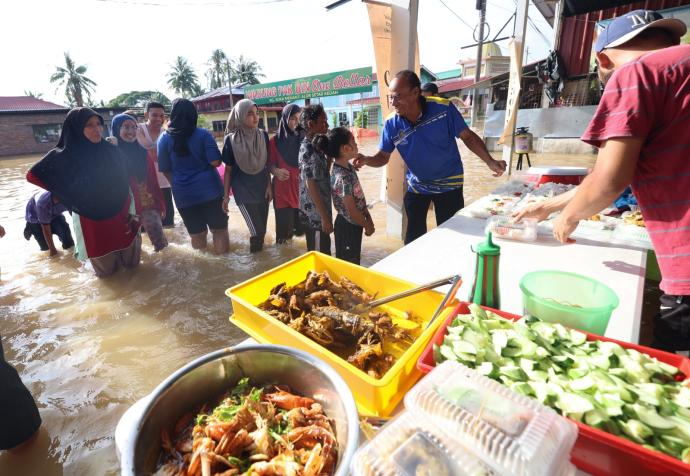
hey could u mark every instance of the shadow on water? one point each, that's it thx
(88, 348)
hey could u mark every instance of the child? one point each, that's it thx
(44, 218)
(348, 197)
(315, 182)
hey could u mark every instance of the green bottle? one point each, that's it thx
(485, 289)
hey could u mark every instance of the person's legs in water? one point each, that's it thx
(194, 220)
(107, 265)
(217, 222)
(221, 241)
(60, 228)
(672, 324)
(256, 216)
(299, 226)
(151, 221)
(416, 207)
(348, 240)
(130, 257)
(169, 218)
(18, 411)
(317, 240)
(447, 204)
(199, 240)
(37, 233)
(284, 224)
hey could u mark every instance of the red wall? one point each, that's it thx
(575, 45)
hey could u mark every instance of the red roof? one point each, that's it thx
(27, 103)
(455, 84)
(365, 101)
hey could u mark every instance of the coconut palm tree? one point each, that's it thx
(245, 70)
(183, 79)
(31, 94)
(72, 78)
(218, 71)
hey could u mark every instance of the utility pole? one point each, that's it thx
(481, 6)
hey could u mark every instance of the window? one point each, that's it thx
(272, 123)
(46, 133)
(218, 126)
(342, 119)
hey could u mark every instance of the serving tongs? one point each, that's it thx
(364, 307)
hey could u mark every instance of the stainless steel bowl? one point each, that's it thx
(209, 376)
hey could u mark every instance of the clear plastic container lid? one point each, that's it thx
(557, 170)
(512, 433)
(503, 227)
(407, 446)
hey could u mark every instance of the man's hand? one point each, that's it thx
(281, 174)
(497, 167)
(327, 226)
(535, 210)
(359, 161)
(563, 227)
(269, 193)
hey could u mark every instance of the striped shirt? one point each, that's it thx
(428, 146)
(650, 98)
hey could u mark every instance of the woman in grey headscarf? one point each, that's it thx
(245, 152)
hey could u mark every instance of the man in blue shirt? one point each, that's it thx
(44, 218)
(424, 132)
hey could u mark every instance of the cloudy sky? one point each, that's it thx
(130, 44)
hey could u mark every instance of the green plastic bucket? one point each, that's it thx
(570, 299)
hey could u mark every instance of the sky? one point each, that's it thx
(130, 44)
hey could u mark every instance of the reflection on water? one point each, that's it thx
(88, 348)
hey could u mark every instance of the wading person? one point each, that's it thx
(245, 154)
(44, 218)
(143, 181)
(188, 156)
(87, 175)
(283, 162)
(315, 182)
(424, 130)
(353, 217)
(148, 135)
(641, 130)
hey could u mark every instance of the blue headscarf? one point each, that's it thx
(133, 154)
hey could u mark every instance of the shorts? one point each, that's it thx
(202, 216)
(672, 324)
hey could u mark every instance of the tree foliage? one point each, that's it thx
(183, 79)
(72, 77)
(139, 99)
(245, 70)
(218, 73)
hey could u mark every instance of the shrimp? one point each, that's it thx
(287, 400)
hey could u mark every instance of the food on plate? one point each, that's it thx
(600, 383)
(326, 311)
(633, 218)
(596, 217)
(251, 430)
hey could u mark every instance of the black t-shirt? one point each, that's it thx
(246, 188)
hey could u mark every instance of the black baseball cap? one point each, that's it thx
(628, 26)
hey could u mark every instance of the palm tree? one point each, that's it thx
(245, 70)
(32, 94)
(76, 84)
(218, 71)
(182, 78)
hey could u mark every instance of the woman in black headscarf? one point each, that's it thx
(87, 175)
(283, 151)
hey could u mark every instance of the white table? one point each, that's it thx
(446, 250)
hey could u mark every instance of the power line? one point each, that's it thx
(457, 16)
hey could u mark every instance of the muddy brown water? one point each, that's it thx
(87, 349)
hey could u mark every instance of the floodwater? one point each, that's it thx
(87, 349)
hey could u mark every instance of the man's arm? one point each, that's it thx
(542, 210)
(612, 172)
(379, 159)
(478, 147)
(48, 235)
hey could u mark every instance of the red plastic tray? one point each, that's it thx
(595, 451)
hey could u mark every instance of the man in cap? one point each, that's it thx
(641, 130)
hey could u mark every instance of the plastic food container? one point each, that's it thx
(596, 452)
(513, 434)
(570, 299)
(503, 227)
(407, 446)
(569, 175)
(373, 396)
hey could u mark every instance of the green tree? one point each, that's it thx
(138, 99)
(204, 122)
(245, 70)
(32, 94)
(183, 79)
(72, 78)
(360, 120)
(218, 73)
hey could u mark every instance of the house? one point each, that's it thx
(215, 107)
(30, 125)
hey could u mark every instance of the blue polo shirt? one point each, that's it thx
(428, 146)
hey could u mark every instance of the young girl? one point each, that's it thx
(348, 197)
(315, 182)
(245, 153)
(283, 156)
(143, 180)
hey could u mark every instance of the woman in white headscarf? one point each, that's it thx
(245, 153)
